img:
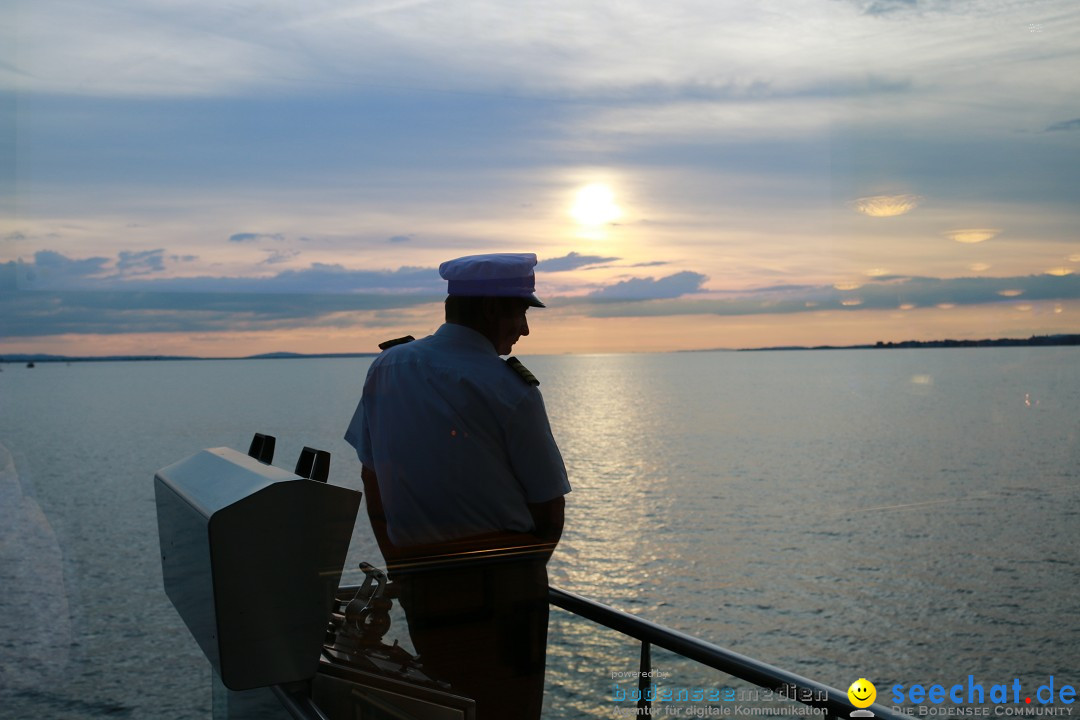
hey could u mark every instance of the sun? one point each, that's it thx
(594, 205)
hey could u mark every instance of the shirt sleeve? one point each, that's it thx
(534, 456)
(357, 434)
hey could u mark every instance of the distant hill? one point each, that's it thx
(1033, 341)
(301, 356)
(42, 358)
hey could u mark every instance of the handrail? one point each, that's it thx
(298, 703)
(806, 691)
(793, 687)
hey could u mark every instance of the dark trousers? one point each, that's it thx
(482, 627)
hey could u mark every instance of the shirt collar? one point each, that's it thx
(466, 336)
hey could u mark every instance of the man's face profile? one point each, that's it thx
(511, 325)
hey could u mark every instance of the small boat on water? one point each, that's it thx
(252, 557)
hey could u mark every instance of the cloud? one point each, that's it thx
(1064, 126)
(882, 7)
(39, 314)
(972, 236)
(275, 257)
(252, 237)
(8, 277)
(140, 263)
(326, 278)
(571, 261)
(635, 289)
(399, 239)
(318, 278)
(733, 92)
(328, 295)
(886, 205)
(54, 261)
(51, 270)
(910, 292)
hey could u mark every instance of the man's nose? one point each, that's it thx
(524, 326)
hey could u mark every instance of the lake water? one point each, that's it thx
(909, 516)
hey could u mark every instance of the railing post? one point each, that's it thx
(645, 678)
(815, 694)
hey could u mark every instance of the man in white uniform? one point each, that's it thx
(458, 460)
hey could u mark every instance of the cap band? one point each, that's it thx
(511, 287)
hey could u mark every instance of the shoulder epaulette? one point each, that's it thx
(396, 341)
(523, 371)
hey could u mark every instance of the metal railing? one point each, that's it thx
(789, 685)
(298, 703)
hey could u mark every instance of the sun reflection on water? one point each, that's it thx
(603, 416)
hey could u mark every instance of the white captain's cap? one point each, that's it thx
(494, 275)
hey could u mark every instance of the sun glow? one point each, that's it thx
(595, 205)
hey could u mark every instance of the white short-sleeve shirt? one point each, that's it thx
(461, 444)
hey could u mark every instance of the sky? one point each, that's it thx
(233, 178)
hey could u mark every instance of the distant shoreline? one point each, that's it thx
(31, 358)
(1033, 341)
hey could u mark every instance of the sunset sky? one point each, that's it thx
(231, 178)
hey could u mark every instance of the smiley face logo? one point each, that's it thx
(862, 693)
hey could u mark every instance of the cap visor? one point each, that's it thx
(534, 301)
